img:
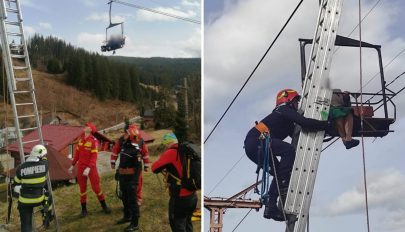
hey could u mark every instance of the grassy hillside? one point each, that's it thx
(74, 105)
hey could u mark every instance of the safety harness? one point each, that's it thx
(265, 149)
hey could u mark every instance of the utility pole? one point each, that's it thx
(218, 206)
(186, 101)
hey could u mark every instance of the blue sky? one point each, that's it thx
(236, 35)
(83, 23)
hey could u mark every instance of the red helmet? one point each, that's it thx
(286, 96)
(92, 127)
(133, 132)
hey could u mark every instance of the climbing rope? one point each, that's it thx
(268, 153)
(362, 121)
(265, 144)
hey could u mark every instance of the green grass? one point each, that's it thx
(153, 209)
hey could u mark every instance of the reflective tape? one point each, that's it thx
(82, 194)
(38, 180)
(31, 200)
(17, 180)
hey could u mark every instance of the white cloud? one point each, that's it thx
(383, 191)
(162, 48)
(394, 221)
(191, 3)
(104, 17)
(85, 38)
(45, 25)
(149, 16)
(29, 31)
(235, 42)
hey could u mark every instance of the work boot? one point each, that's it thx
(352, 143)
(123, 220)
(273, 212)
(133, 226)
(84, 211)
(105, 207)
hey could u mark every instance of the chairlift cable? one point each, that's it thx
(241, 220)
(157, 11)
(395, 79)
(254, 70)
(400, 53)
(362, 120)
(226, 174)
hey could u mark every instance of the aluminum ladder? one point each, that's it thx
(315, 104)
(19, 79)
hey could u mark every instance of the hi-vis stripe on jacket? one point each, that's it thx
(32, 178)
(86, 151)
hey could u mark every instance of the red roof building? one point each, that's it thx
(61, 138)
(146, 137)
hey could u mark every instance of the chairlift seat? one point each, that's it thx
(373, 127)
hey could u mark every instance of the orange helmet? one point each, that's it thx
(133, 132)
(286, 96)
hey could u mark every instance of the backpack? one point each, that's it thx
(190, 155)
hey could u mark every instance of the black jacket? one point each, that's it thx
(281, 123)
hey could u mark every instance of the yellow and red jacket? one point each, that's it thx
(142, 148)
(86, 151)
(171, 162)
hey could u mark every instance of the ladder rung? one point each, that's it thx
(23, 91)
(30, 141)
(17, 56)
(12, 23)
(22, 79)
(24, 104)
(27, 116)
(12, 10)
(20, 67)
(14, 33)
(27, 129)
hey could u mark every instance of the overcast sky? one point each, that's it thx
(237, 33)
(83, 23)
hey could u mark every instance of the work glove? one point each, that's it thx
(86, 171)
(70, 169)
(17, 189)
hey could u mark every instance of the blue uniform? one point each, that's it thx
(281, 123)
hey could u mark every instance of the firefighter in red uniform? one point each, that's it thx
(86, 158)
(182, 202)
(144, 153)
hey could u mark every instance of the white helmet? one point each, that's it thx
(38, 151)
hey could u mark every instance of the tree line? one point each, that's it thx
(122, 78)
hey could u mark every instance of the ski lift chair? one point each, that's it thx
(372, 126)
(114, 41)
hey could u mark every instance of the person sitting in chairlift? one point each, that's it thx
(341, 114)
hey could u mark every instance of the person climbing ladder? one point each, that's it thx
(279, 124)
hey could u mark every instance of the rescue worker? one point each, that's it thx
(86, 158)
(279, 124)
(130, 167)
(30, 183)
(182, 202)
(144, 153)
